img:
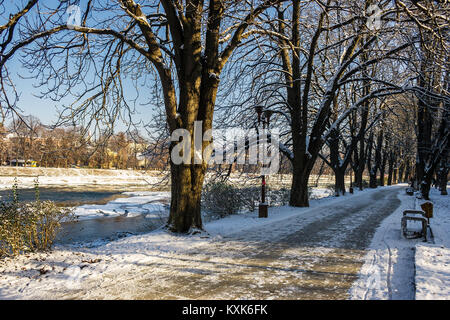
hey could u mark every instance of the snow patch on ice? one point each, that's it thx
(138, 203)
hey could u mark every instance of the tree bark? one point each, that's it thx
(395, 179)
(443, 176)
(407, 177)
(338, 165)
(361, 156)
(299, 196)
(383, 168)
(401, 170)
(186, 190)
(339, 178)
(391, 163)
(371, 167)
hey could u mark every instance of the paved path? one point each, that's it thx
(315, 254)
(317, 257)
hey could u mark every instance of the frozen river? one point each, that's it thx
(103, 213)
(72, 196)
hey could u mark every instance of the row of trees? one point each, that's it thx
(28, 139)
(338, 76)
(353, 93)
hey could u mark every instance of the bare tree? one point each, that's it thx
(305, 64)
(430, 61)
(182, 45)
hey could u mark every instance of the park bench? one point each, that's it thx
(422, 216)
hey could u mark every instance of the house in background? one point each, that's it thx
(22, 163)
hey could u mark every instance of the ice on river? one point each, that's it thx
(149, 204)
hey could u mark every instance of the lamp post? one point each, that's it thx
(351, 182)
(263, 206)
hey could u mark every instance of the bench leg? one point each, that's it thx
(424, 229)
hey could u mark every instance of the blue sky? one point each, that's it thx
(46, 109)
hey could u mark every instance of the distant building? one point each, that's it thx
(22, 163)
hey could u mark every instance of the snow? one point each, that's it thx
(153, 204)
(68, 269)
(398, 268)
(160, 264)
(432, 277)
(318, 193)
(138, 203)
(432, 272)
(214, 75)
(49, 177)
(286, 150)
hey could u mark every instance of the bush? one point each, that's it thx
(331, 187)
(29, 226)
(221, 199)
(249, 197)
(280, 197)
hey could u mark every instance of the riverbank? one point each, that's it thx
(75, 177)
(156, 180)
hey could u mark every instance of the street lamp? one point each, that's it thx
(351, 182)
(263, 206)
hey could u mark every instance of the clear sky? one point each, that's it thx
(46, 109)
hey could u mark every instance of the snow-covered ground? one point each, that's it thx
(432, 272)
(399, 268)
(432, 277)
(240, 256)
(312, 253)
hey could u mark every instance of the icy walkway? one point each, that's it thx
(432, 276)
(298, 253)
(407, 269)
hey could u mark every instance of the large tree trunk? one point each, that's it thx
(335, 162)
(339, 181)
(359, 177)
(186, 190)
(301, 164)
(395, 180)
(378, 158)
(390, 168)
(372, 168)
(373, 178)
(187, 179)
(407, 177)
(426, 114)
(299, 196)
(383, 168)
(401, 170)
(443, 176)
(360, 158)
